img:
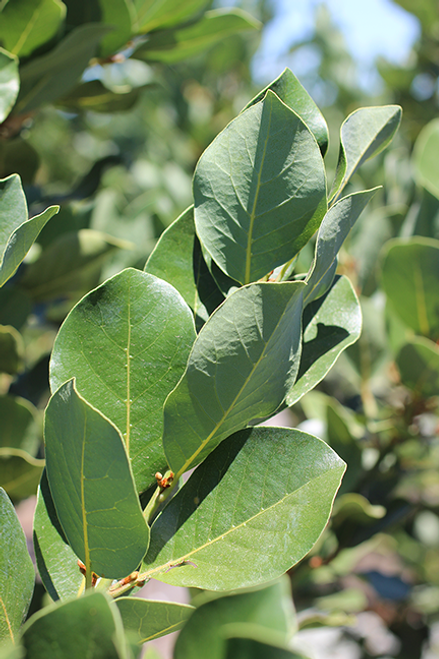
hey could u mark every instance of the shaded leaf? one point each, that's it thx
(242, 364)
(410, 280)
(249, 512)
(293, 94)
(19, 427)
(259, 190)
(153, 14)
(426, 167)
(118, 14)
(172, 46)
(418, 364)
(15, 306)
(9, 81)
(56, 561)
(11, 350)
(149, 619)
(331, 324)
(248, 648)
(17, 574)
(27, 24)
(92, 486)
(20, 472)
(18, 156)
(97, 98)
(339, 436)
(127, 343)
(363, 135)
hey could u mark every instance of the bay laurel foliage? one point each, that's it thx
(158, 372)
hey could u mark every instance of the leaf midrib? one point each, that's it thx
(5, 612)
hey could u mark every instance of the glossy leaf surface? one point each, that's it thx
(410, 280)
(248, 513)
(9, 82)
(92, 486)
(17, 574)
(242, 364)
(259, 190)
(149, 619)
(172, 46)
(363, 135)
(27, 24)
(127, 344)
(425, 157)
(418, 364)
(331, 324)
(288, 88)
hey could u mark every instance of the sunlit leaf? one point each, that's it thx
(27, 24)
(9, 82)
(148, 619)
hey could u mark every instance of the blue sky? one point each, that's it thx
(370, 27)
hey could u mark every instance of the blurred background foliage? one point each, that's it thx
(117, 152)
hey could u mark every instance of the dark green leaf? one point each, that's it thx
(97, 98)
(153, 14)
(172, 46)
(293, 94)
(18, 427)
(147, 620)
(127, 361)
(27, 24)
(425, 157)
(339, 436)
(418, 364)
(9, 82)
(18, 156)
(248, 513)
(242, 364)
(248, 648)
(363, 135)
(410, 280)
(20, 473)
(331, 324)
(11, 350)
(92, 486)
(17, 574)
(259, 190)
(15, 306)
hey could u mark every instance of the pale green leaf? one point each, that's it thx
(9, 82)
(17, 574)
(248, 513)
(20, 472)
(146, 620)
(127, 344)
(242, 364)
(259, 190)
(119, 15)
(153, 14)
(363, 135)
(92, 486)
(426, 166)
(27, 24)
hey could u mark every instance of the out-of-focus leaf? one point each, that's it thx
(234, 525)
(17, 574)
(293, 94)
(363, 135)
(11, 350)
(92, 486)
(94, 96)
(49, 77)
(327, 333)
(126, 363)
(27, 24)
(148, 619)
(18, 156)
(370, 351)
(56, 561)
(410, 280)
(249, 648)
(15, 306)
(153, 14)
(20, 473)
(339, 436)
(117, 14)
(172, 46)
(18, 426)
(267, 608)
(9, 81)
(425, 157)
(256, 209)
(418, 364)
(241, 366)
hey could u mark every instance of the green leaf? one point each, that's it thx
(19, 426)
(333, 231)
(426, 168)
(249, 648)
(56, 561)
(27, 24)
(256, 209)
(118, 14)
(126, 363)
(86, 627)
(11, 350)
(410, 280)
(9, 82)
(20, 473)
(15, 306)
(249, 512)
(363, 135)
(17, 574)
(49, 77)
(340, 437)
(70, 265)
(18, 156)
(242, 364)
(177, 258)
(172, 46)
(92, 486)
(268, 608)
(149, 619)
(97, 98)
(331, 324)
(418, 364)
(153, 14)
(293, 94)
